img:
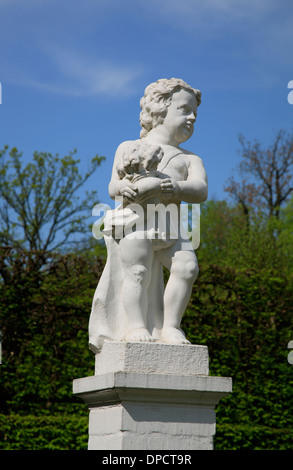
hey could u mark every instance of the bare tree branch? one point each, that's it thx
(267, 175)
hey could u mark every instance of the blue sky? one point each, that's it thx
(72, 74)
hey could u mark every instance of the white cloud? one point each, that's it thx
(84, 75)
(50, 45)
(74, 74)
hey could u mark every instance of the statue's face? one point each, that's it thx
(181, 116)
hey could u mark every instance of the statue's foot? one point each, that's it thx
(173, 335)
(139, 334)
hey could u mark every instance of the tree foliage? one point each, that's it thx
(227, 240)
(40, 206)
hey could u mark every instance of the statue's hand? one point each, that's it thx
(128, 190)
(170, 187)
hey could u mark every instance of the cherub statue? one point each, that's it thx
(131, 303)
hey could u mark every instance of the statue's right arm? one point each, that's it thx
(117, 186)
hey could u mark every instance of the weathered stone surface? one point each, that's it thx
(150, 358)
(152, 404)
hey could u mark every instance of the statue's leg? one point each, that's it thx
(136, 257)
(183, 268)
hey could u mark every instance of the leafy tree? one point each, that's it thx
(218, 234)
(40, 205)
(226, 240)
(285, 235)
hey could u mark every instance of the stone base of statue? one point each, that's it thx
(151, 396)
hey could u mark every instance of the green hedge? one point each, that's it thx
(246, 437)
(57, 432)
(244, 316)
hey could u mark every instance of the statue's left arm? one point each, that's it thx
(193, 189)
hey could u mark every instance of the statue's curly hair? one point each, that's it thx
(157, 97)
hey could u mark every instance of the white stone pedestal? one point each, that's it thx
(152, 396)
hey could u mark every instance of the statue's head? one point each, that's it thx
(157, 97)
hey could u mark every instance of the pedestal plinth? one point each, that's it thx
(151, 396)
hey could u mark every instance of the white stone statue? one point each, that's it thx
(131, 303)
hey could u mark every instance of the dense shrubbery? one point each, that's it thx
(248, 437)
(243, 317)
(246, 324)
(56, 432)
(44, 317)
